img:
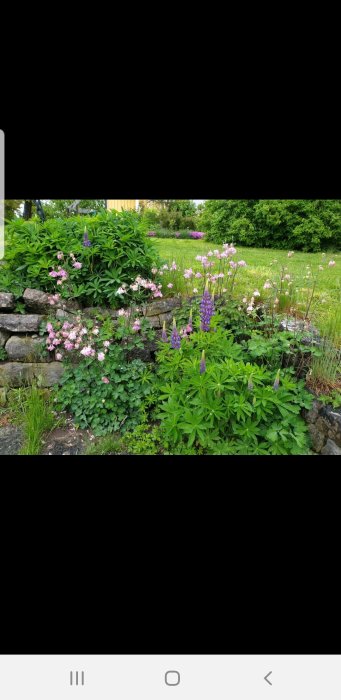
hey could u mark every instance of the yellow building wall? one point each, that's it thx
(120, 204)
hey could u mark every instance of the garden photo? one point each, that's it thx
(171, 327)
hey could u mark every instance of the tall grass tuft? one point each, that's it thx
(326, 370)
(32, 410)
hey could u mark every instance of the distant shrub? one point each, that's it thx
(305, 224)
(196, 234)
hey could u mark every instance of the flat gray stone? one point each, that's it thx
(11, 439)
(37, 301)
(7, 301)
(162, 306)
(15, 374)
(25, 349)
(20, 323)
(4, 335)
(331, 448)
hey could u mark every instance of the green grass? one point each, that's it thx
(260, 267)
(31, 409)
(105, 445)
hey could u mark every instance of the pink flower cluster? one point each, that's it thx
(141, 283)
(71, 337)
(54, 299)
(60, 272)
(196, 234)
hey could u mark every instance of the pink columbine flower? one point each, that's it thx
(95, 331)
(49, 327)
(173, 266)
(256, 293)
(170, 285)
(101, 356)
(241, 263)
(60, 255)
(122, 312)
(53, 273)
(86, 351)
(72, 335)
(331, 263)
(68, 346)
(59, 357)
(105, 380)
(198, 275)
(267, 285)
(106, 343)
(77, 265)
(154, 270)
(50, 347)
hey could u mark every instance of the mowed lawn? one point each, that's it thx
(265, 264)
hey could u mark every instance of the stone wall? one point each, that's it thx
(324, 423)
(23, 339)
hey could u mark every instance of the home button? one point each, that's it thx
(172, 678)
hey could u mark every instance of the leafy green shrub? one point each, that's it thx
(309, 225)
(103, 390)
(241, 405)
(119, 251)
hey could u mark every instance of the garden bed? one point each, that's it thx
(121, 352)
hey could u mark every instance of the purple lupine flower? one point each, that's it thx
(206, 310)
(203, 363)
(86, 241)
(196, 234)
(276, 382)
(175, 337)
(164, 333)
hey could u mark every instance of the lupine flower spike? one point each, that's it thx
(164, 333)
(276, 382)
(175, 338)
(86, 241)
(203, 363)
(206, 309)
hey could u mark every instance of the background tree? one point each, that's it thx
(12, 207)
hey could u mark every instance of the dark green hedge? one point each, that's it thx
(301, 224)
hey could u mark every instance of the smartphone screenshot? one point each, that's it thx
(170, 365)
